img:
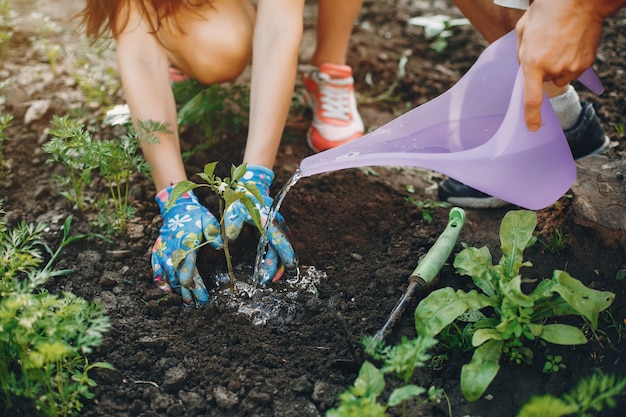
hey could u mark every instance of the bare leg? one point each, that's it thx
(335, 21)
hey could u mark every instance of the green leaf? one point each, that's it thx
(443, 306)
(478, 264)
(254, 190)
(179, 189)
(482, 335)
(516, 231)
(481, 370)
(404, 393)
(562, 334)
(512, 289)
(546, 406)
(238, 172)
(209, 169)
(253, 210)
(586, 301)
(370, 380)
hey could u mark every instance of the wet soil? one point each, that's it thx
(357, 237)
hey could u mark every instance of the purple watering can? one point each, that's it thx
(475, 133)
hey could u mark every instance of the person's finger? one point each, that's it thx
(191, 285)
(200, 292)
(279, 242)
(270, 268)
(533, 96)
(213, 234)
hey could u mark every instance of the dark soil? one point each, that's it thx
(355, 227)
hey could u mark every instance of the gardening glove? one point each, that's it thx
(280, 253)
(185, 222)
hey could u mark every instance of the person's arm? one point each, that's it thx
(144, 70)
(277, 36)
(557, 41)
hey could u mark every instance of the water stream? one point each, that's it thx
(263, 242)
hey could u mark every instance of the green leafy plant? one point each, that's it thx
(44, 338)
(553, 364)
(557, 241)
(214, 108)
(389, 95)
(119, 159)
(438, 27)
(75, 149)
(364, 398)
(229, 190)
(592, 395)
(426, 206)
(7, 20)
(517, 316)
(115, 160)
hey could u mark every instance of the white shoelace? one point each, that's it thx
(335, 97)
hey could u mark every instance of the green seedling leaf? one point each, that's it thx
(513, 291)
(443, 306)
(481, 370)
(370, 381)
(562, 334)
(399, 395)
(180, 189)
(516, 232)
(237, 172)
(483, 335)
(547, 406)
(478, 264)
(253, 189)
(586, 301)
(209, 169)
(254, 212)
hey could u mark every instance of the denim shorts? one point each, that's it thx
(513, 4)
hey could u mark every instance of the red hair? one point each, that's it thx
(102, 17)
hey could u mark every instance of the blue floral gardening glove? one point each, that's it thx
(185, 222)
(280, 253)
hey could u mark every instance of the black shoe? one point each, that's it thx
(585, 138)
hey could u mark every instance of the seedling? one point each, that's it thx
(438, 27)
(619, 127)
(426, 206)
(213, 109)
(116, 160)
(45, 338)
(119, 159)
(517, 316)
(74, 148)
(557, 242)
(389, 95)
(364, 397)
(229, 190)
(591, 396)
(553, 364)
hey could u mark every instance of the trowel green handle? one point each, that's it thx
(431, 264)
(427, 269)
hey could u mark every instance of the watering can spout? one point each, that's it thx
(476, 133)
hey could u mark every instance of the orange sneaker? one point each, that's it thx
(336, 119)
